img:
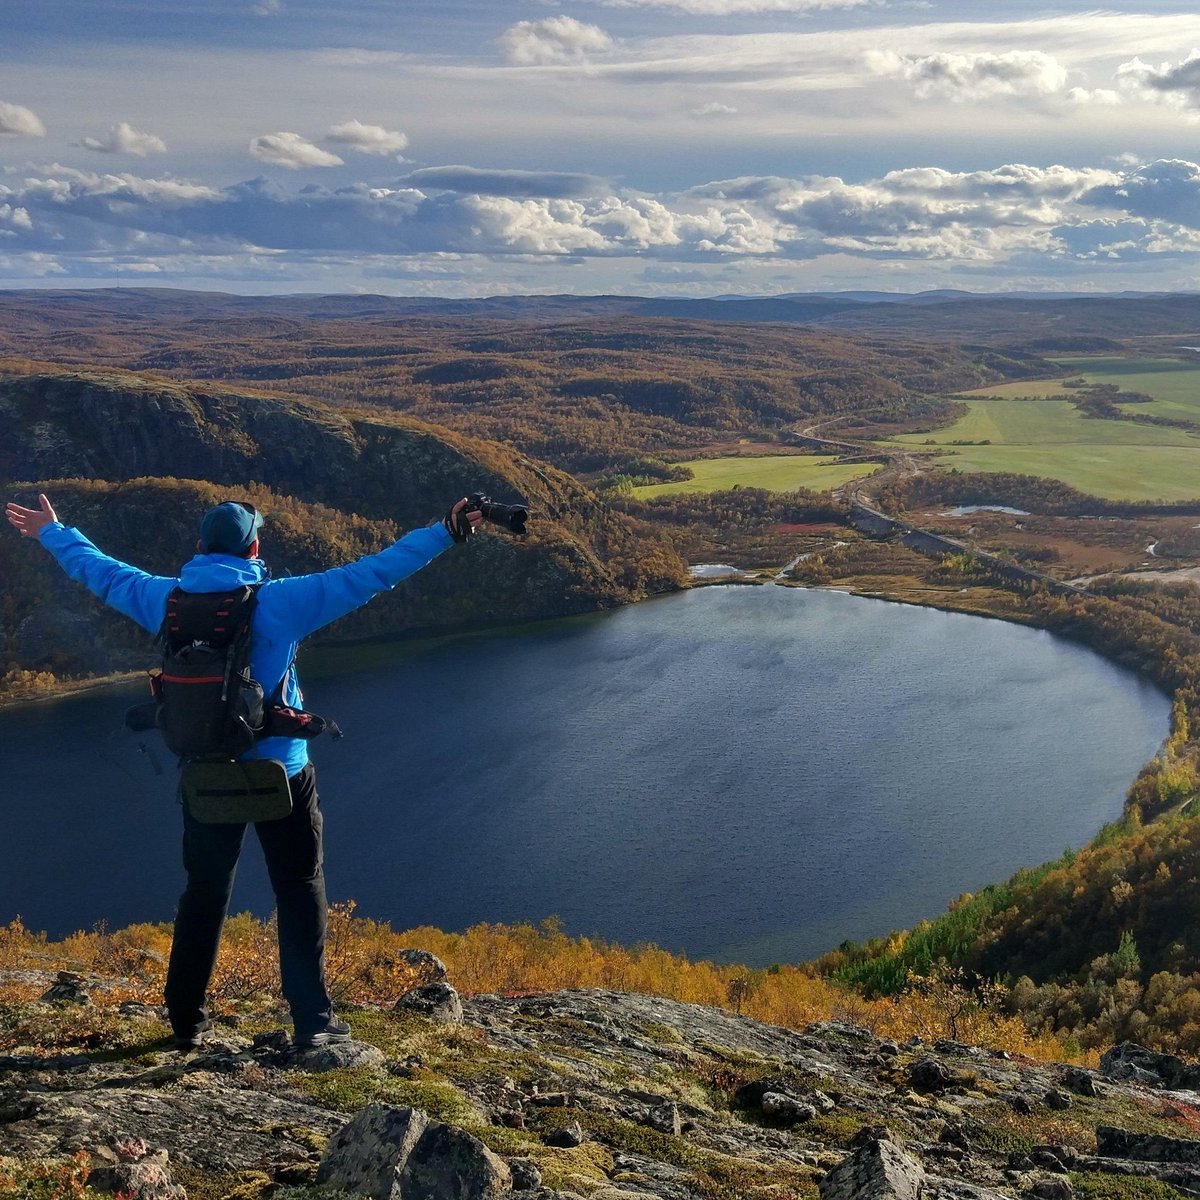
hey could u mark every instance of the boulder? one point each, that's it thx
(665, 1118)
(929, 1075)
(568, 1136)
(1079, 1081)
(880, 1170)
(143, 1177)
(1052, 1187)
(439, 1001)
(788, 1108)
(430, 966)
(448, 1163)
(1136, 1064)
(67, 989)
(335, 1056)
(369, 1154)
(391, 1153)
(1146, 1147)
(526, 1174)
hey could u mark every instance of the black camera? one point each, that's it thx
(508, 516)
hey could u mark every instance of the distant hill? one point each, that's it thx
(586, 393)
(997, 319)
(143, 458)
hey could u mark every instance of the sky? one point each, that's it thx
(648, 147)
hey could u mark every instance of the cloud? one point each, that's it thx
(1055, 217)
(267, 8)
(22, 122)
(728, 8)
(973, 77)
(292, 151)
(367, 139)
(1177, 84)
(713, 109)
(551, 184)
(124, 138)
(1166, 190)
(553, 40)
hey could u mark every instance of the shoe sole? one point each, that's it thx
(324, 1039)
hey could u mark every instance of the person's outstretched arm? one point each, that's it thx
(135, 593)
(308, 602)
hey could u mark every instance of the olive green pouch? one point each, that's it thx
(225, 793)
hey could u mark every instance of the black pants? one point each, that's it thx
(292, 848)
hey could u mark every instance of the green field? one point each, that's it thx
(776, 473)
(1174, 383)
(1118, 459)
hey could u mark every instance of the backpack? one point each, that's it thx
(206, 703)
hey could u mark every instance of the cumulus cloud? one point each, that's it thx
(292, 151)
(367, 139)
(23, 122)
(551, 184)
(1177, 83)
(553, 40)
(124, 138)
(968, 77)
(981, 220)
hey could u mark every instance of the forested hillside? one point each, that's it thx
(585, 394)
(142, 458)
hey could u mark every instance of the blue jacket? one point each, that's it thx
(288, 610)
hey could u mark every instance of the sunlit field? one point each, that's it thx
(1173, 383)
(1050, 437)
(776, 473)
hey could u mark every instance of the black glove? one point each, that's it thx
(457, 525)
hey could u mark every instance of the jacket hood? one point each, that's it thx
(215, 572)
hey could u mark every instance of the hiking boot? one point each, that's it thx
(332, 1031)
(193, 1039)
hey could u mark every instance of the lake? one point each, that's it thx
(745, 773)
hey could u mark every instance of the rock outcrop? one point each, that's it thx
(589, 1093)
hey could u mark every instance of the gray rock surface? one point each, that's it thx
(391, 1153)
(659, 1098)
(1129, 1061)
(438, 1001)
(368, 1155)
(877, 1171)
(337, 1056)
(1121, 1143)
(451, 1164)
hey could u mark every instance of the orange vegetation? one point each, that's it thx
(365, 966)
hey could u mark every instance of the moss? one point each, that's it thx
(710, 1169)
(302, 1135)
(1093, 1185)
(837, 1128)
(664, 1035)
(396, 1032)
(353, 1088)
(201, 1185)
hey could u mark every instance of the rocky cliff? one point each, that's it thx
(570, 1094)
(142, 458)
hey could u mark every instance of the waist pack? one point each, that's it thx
(218, 793)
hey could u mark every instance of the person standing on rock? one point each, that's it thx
(286, 611)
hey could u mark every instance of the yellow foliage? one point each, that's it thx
(365, 964)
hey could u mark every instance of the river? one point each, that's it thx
(747, 773)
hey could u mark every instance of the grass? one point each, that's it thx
(1118, 459)
(776, 473)
(1174, 383)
